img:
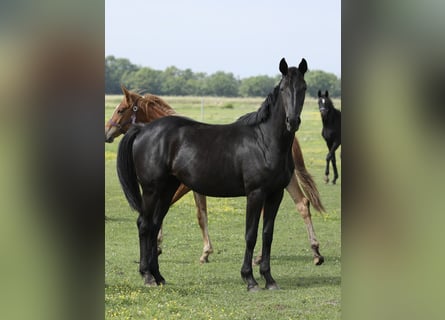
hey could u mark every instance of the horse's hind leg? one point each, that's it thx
(302, 204)
(160, 237)
(201, 210)
(155, 207)
(145, 228)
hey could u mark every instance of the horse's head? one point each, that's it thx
(324, 102)
(123, 116)
(293, 92)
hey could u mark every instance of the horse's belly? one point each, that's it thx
(213, 183)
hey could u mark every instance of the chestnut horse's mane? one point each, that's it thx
(155, 106)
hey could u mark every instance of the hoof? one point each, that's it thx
(151, 284)
(326, 179)
(318, 261)
(204, 259)
(150, 281)
(254, 288)
(206, 252)
(272, 286)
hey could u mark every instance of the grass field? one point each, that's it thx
(215, 290)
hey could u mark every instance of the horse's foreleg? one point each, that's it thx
(334, 167)
(259, 256)
(159, 241)
(328, 159)
(201, 210)
(271, 206)
(254, 204)
(302, 204)
(334, 162)
(326, 171)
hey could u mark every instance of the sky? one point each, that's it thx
(244, 37)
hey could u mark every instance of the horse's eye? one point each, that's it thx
(120, 111)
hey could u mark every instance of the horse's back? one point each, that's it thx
(191, 150)
(214, 160)
(210, 158)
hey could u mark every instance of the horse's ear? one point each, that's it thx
(326, 94)
(319, 93)
(283, 67)
(302, 67)
(126, 93)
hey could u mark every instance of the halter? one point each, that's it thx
(131, 121)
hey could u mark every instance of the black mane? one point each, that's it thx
(263, 113)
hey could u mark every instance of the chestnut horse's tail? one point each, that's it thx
(305, 179)
(126, 171)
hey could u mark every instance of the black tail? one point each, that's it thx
(126, 171)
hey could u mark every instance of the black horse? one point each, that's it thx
(251, 157)
(331, 131)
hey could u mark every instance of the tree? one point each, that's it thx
(174, 81)
(178, 82)
(145, 79)
(115, 69)
(223, 84)
(259, 86)
(198, 84)
(320, 80)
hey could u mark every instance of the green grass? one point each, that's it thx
(215, 290)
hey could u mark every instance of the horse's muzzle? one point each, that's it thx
(323, 110)
(109, 137)
(293, 124)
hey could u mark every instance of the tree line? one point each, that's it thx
(177, 82)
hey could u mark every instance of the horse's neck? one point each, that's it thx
(274, 129)
(328, 118)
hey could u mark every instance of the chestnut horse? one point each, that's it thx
(135, 108)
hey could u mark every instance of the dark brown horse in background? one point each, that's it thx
(135, 108)
(331, 131)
